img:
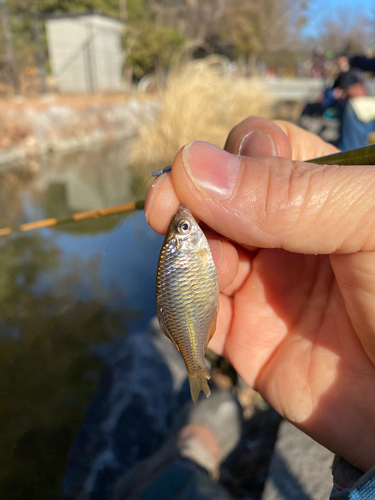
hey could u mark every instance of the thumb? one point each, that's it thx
(274, 202)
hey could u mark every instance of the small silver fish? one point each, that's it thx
(186, 295)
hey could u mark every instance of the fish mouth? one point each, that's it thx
(182, 212)
(184, 209)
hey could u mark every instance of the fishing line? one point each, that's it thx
(154, 174)
(121, 222)
(89, 214)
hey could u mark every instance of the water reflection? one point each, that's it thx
(64, 295)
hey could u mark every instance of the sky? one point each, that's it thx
(321, 9)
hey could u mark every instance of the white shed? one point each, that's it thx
(85, 52)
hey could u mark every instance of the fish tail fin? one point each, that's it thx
(198, 383)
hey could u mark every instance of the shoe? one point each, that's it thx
(204, 434)
(222, 415)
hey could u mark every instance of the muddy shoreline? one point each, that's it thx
(56, 124)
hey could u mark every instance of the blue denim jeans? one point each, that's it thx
(184, 480)
(363, 489)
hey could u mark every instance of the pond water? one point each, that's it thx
(66, 293)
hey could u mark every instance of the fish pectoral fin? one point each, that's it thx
(164, 328)
(212, 328)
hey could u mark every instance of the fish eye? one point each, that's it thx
(184, 227)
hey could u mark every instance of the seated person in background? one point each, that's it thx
(348, 85)
(355, 99)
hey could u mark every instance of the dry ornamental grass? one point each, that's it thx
(199, 102)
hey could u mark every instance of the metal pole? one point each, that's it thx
(8, 45)
(89, 59)
(39, 52)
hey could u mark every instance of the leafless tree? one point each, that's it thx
(347, 31)
(251, 26)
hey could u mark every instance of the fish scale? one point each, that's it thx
(187, 294)
(185, 289)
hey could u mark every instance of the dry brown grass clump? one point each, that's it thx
(198, 103)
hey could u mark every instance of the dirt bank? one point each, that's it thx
(33, 126)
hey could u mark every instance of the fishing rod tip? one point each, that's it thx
(161, 171)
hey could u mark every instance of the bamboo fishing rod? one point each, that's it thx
(89, 214)
(360, 156)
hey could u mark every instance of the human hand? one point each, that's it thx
(295, 257)
(339, 93)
